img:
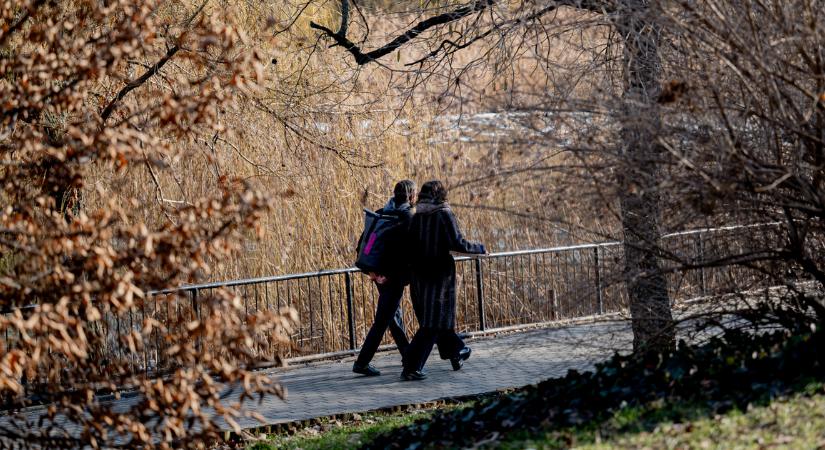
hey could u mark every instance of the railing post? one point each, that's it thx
(195, 306)
(480, 294)
(599, 298)
(700, 258)
(145, 349)
(350, 318)
(197, 310)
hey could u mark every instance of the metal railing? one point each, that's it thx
(336, 307)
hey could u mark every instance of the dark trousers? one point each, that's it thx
(387, 315)
(449, 344)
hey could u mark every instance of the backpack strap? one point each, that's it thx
(368, 232)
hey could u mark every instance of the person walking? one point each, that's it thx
(433, 234)
(390, 284)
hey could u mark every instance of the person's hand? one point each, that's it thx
(378, 279)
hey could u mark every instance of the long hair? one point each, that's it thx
(433, 192)
(403, 191)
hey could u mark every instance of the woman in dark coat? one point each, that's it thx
(434, 233)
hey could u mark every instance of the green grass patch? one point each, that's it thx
(635, 395)
(350, 434)
(740, 391)
(797, 421)
(793, 422)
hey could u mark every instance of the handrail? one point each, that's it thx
(295, 276)
(535, 251)
(268, 279)
(329, 272)
(251, 281)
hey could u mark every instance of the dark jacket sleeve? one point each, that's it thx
(456, 239)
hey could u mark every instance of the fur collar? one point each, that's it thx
(425, 207)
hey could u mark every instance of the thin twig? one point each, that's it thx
(155, 68)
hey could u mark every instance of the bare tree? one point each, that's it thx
(734, 135)
(638, 29)
(746, 113)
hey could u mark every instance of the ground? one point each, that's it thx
(793, 422)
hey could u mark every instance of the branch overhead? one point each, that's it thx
(151, 71)
(138, 82)
(362, 58)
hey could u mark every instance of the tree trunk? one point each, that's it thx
(652, 319)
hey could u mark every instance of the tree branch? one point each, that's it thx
(27, 13)
(138, 82)
(342, 31)
(303, 136)
(151, 70)
(367, 25)
(594, 6)
(362, 58)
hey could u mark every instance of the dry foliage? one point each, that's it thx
(324, 138)
(76, 273)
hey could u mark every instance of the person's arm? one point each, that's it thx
(456, 239)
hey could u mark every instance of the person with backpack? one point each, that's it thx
(381, 255)
(433, 234)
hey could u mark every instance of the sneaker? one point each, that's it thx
(415, 375)
(463, 355)
(367, 370)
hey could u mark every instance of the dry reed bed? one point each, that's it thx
(324, 139)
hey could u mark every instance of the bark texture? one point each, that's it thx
(650, 309)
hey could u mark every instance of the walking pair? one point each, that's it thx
(420, 257)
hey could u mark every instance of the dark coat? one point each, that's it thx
(433, 234)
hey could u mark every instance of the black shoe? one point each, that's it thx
(367, 370)
(415, 375)
(463, 355)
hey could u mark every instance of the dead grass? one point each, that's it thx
(324, 139)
